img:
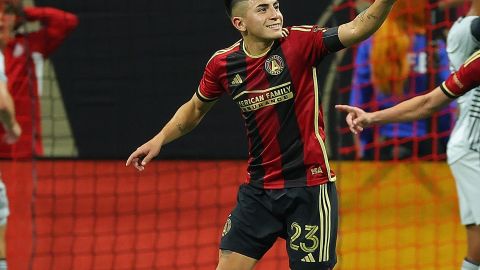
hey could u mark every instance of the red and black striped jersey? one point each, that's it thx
(279, 98)
(466, 78)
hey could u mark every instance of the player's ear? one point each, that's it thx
(239, 24)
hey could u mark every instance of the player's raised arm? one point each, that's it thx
(365, 24)
(412, 109)
(187, 117)
(7, 115)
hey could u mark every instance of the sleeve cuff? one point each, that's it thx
(332, 41)
(204, 98)
(446, 91)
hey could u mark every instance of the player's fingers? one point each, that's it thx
(137, 164)
(129, 160)
(358, 125)
(136, 154)
(349, 120)
(360, 122)
(351, 126)
(353, 130)
(147, 159)
(345, 108)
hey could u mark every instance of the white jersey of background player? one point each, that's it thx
(13, 131)
(463, 149)
(4, 210)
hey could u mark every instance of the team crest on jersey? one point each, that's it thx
(227, 227)
(274, 65)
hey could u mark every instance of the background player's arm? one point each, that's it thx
(412, 109)
(187, 117)
(7, 115)
(56, 25)
(365, 24)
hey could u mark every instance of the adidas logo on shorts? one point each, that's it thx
(309, 258)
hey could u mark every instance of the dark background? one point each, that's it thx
(131, 63)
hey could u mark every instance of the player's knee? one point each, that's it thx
(229, 260)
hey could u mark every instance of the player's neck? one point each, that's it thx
(256, 47)
(474, 9)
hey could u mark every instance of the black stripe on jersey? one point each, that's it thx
(237, 65)
(289, 136)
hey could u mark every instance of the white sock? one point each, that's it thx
(3, 265)
(466, 265)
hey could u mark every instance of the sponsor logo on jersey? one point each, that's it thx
(262, 98)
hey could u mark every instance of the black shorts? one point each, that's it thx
(306, 217)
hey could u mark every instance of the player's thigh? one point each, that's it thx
(3, 229)
(467, 178)
(229, 260)
(312, 229)
(251, 229)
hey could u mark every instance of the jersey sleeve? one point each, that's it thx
(465, 79)
(56, 25)
(316, 42)
(210, 88)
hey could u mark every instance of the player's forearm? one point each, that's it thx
(185, 120)
(7, 108)
(51, 16)
(449, 3)
(366, 23)
(416, 108)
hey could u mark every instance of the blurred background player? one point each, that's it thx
(402, 43)
(463, 149)
(21, 48)
(461, 6)
(466, 170)
(12, 133)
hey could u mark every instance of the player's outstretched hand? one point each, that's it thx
(11, 135)
(357, 119)
(142, 156)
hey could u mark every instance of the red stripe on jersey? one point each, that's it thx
(303, 81)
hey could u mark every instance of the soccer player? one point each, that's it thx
(289, 190)
(463, 147)
(466, 167)
(22, 53)
(12, 133)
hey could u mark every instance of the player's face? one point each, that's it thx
(263, 19)
(7, 24)
(3, 32)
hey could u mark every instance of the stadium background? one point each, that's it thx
(118, 78)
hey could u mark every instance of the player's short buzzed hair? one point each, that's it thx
(230, 4)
